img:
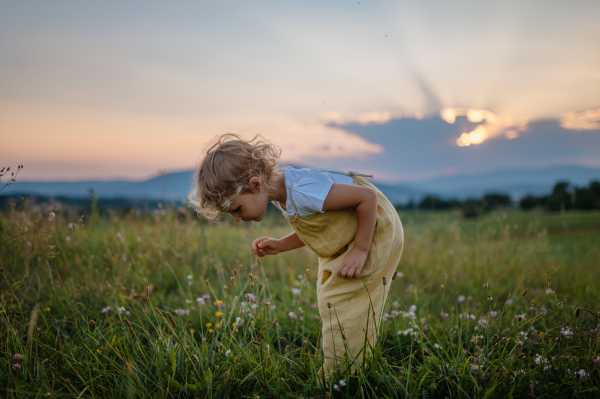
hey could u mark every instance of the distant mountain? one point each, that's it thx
(175, 186)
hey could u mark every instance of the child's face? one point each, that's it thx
(249, 206)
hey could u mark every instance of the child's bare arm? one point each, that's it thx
(364, 200)
(271, 246)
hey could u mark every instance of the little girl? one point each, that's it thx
(344, 219)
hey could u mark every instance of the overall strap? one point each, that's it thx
(351, 174)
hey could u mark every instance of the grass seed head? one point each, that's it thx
(519, 344)
(521, 356)
(328, 305)
(225, 288)
(306, 274)
(287, 348)
(425, 288)
(524, 292)
(203, 341)
(92, 325)
(260, 287)
(207, 283)
(274, 322)
(171, 320)
(241, 313)
(495, 337)
(442, 288)
(251, 286)
(394, 275)
(283, 339)
(519, 319)
(231, 280)
(577, 312)
(127, 322)
(384, 281)
(485, 286)
(159, 312)
(505, 341)
(235, 272)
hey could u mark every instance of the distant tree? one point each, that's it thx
(473, 207)
(431, 202)
(560, 199)
(495, 200)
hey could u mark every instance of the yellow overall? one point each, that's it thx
(353, 301)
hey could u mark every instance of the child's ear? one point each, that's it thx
(255, 183)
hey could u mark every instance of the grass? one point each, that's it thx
(74, 306)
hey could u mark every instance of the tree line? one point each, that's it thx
(562, 198)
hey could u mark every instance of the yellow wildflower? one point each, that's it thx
(192, 330)
(99, 351)
(210, 330)
(218, 314)
(2, 311)
(234, 324)
(208, 324)
(47, 310)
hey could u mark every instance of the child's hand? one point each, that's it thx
(353, 263)
(266, 246)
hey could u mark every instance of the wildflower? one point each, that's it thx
(493, 313)
(437, 346)
(192, 330)
(425, 328)
(336, 387)
(218, 314)
(52, 214)
(17, 356)
(489, 298)
(296, 291)
(549, 291)
(342, 383)
(16, 366)
(206, 297)
(474, 367)
(228, 353)
(461, 299)
(444, 315)
(469, 298)
(106, 309)
(509, 301)
(182, 312)
(47, 310)
(292, 315)
(189, 277)
(250, 297)
(210, 330)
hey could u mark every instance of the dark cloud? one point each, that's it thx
(418, 149)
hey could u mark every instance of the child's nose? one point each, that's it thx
(237, 218)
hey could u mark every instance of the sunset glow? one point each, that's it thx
(477, 136)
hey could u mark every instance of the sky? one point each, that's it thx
(407, 90)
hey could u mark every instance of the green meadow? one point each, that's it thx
(162, 304)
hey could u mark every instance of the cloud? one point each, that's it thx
(419, 149)
(584, 120)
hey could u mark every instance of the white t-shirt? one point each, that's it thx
(310, 191)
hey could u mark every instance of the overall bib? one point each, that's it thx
(355, 303)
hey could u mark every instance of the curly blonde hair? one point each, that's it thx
(226, 169)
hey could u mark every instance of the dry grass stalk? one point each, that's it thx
(147, 292)
(33, 323)
(524, 292)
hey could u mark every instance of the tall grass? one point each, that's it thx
(164, 305)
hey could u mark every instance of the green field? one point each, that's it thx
(98, 335)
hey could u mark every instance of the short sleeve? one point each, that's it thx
(310, 191)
